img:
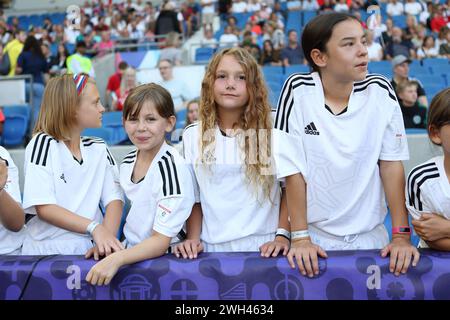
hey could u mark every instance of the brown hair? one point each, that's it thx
(153, 92)
(57, 115)
(405, 84)
(187, 122)
(439, 111)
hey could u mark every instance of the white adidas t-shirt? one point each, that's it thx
(11, 241)
(338, 154)
(162, 201)
(428, 190)
(54, 176)
(231, 209)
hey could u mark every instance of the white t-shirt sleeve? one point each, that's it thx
(173, 208)
(111, 186)
(12, 184)
(287, 139)
(189, 156)
(395, 144)
(39, 188)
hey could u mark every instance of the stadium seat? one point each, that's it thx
(14, 130)
(23, 110)
(415, 131)
(181, 118)
(104, 133)
(307, 16)
(113, 120)
(296, 68)
(203, 55)
(273, 73)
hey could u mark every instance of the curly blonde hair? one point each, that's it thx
(256, 118)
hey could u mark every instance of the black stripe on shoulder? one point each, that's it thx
(129, 158)
(416, 178)
(110, 157)
(90, 143)
(175, 173)
(163, 176)
(434, 175)
(379, 80)
(191, 125)
(286, 100)
(169, 174)
(41, 148)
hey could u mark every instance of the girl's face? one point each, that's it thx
(89, 114)
(193, 112)
(429, 43)
(230, 86)
(147, 131)
(442, 136)
(346, 57)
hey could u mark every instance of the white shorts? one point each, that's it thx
(377, 238)
(247, 244)
(74, 245)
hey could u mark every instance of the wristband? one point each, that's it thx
(91, 227)
(284, 233)
(299, 234)
(401, 230)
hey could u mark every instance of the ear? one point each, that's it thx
(435, 135)
(319, 58)
(170, 123)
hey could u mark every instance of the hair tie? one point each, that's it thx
(80, 80)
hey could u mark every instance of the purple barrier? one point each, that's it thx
(359, 275)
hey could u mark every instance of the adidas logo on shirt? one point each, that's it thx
(311, 129)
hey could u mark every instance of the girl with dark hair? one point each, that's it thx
(340, 142)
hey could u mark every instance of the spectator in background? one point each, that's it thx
(79, 62)
(127, 83)
(277, 20)
(341, 6)
(208, 39)
(47, 25)
(274, 34)
(270, 56)
(438, 20)
(46, 52)
(178, 90)
(444, 48)
(224, 7)
(374, 49)
(114, 82)
(4, 62)
(310, 5)
(171, 51)
(208, 11)
(442, 37)
(228, 38)
(294, 5)
(419, 37)
(232, 22)
(412, 7)
(292, 53)
(411, 27)
(428, 49)
(192, 111)
(399, 46)
(394, 8)
(58, 64)
(386, 36)
(400, 66)
(414, 115)
(13, 49)
(253, 6)
(105, 45)
(239, 6)
(167, 20)
(32, 61)
(327, 6)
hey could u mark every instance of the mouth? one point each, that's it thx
(362, 64)
(230, 95)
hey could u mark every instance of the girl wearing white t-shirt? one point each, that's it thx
(69, 178)
(340, 142)
(12, 217)
(237, 197)
(156, 180)
(428, 184)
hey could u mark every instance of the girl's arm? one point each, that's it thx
(192, 246)
(400, 248)
(113, 216)
(304, 251)
(12, 216)
(104, 271)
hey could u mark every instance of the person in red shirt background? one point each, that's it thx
(114, 83)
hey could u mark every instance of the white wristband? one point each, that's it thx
(283, 232)
(299, 234)
(90, 228)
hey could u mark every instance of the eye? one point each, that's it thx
(241, 77)
(220, 76)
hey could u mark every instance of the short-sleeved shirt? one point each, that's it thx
(428, 190)
(54, 176)
(162, 201)
(33, 64)
(10, 241)
(114, 82)
(294, 56)
(232, 209)
(338, 154)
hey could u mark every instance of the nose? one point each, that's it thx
(362, 49)
(102, 108)
(230, 82)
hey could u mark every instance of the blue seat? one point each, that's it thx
(14, 130)
(273, 73)
(105, 133)
(296, 68)
(113, 120)
(24, 110)
(203, 55)
(399, 21)
(307, 16)
(415, 131)
(181, 118)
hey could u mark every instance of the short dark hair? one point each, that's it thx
(318, 32)
(123, 65)
(439, 111)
